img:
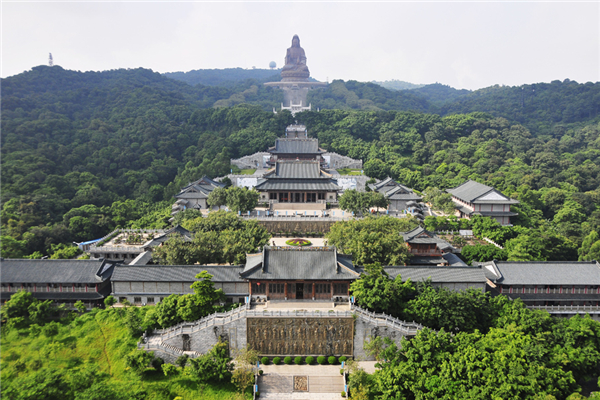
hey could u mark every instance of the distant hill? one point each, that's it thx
(224, 77)
(395, 84)
(437, 93)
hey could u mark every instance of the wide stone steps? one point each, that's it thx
(279, 384)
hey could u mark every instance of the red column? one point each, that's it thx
(313, 290)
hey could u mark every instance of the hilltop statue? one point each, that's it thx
(294, 80)
(295, 68)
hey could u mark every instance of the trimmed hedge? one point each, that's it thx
(287, 360)
(332, 360)
(321, 360)
(264, 360)
(276, 360)
(310, 360)
(342, 359)
(298, 360)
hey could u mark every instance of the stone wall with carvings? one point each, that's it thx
(301, 336)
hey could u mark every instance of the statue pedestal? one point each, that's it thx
(295, 93)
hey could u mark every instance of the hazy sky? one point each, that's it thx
(462, 44)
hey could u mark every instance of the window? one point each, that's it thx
(276, 287)
(272, 196)
(340, 288)
(321, 196)
(321, 288)
(311, 197)
(258, 288)
(137, 300)
(161, 298)
(150, 300)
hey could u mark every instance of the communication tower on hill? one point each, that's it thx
(50, 60)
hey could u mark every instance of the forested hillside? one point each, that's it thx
(228, 77)
(83, 153)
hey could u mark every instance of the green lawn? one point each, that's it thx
(90, 350)
(349, 171)
(248, 171)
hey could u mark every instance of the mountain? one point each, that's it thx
(395, 84)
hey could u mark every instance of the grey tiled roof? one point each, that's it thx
(298, 170)
(175, 273)
(439, 274)
(470, 190)
(298, 184)
(54, 271)
(546, 272)
(296, 146)
(199, 189)
(302, 263)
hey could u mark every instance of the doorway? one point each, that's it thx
(299, 291)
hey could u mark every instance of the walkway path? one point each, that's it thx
(324, 382)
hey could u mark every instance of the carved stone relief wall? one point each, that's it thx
(301, 336)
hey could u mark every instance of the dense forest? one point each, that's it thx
(83, 153)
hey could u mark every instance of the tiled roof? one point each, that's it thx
(298, 170)
(470, 190)
(298, 184)
(478, 193)
(301, 263)
(296, 146)
(199, 189)
(544, 272)
(175, 273)
(55, 271)
(439, 274)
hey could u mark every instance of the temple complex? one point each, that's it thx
(295, 79)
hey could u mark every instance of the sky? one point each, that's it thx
(466, 45)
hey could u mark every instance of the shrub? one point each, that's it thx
(341, 371)
(343, 394)
(287, 360)
(332, 360)
(298, 360)
(342, 359)
(310, 360)
(257, 394)
(264, 360)
(276, 360)
(260, 372)
(182, 360)
(157, 363)
(321, 360)
(298, 242)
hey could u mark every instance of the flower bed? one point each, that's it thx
(298, 242)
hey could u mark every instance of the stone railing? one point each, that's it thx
(167, 348)
(407, 328)
(216, 319)
(567, 309)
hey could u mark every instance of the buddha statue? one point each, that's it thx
(295, 68)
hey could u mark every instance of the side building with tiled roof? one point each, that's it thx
(194, 195)
(63, 281)
(474, 198)
(399, 196)
(560, 287)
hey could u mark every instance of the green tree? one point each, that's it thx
(214, 366)
(241, 199)
(376, 291)
(166, 311)
(360, 202)
(372, 239)
(590, 248)
(110, 301)
(138, 361)
(205, 292)
(217, 197)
